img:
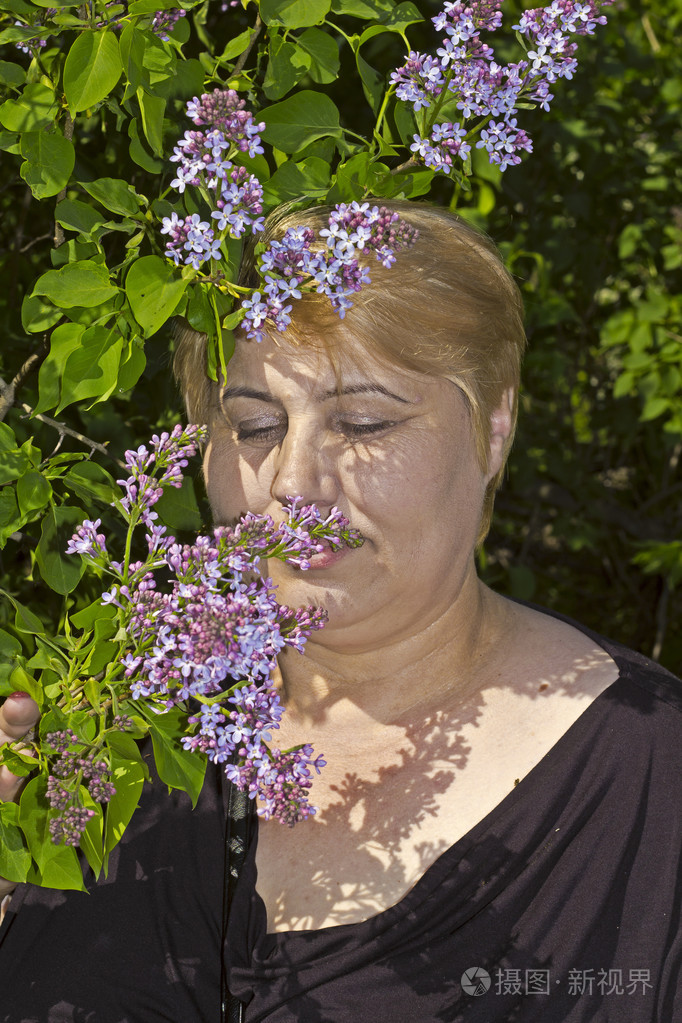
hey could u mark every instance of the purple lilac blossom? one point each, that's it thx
(333, 270)
(211, 633)
(465, 66)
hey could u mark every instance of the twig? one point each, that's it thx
(65, 430)
(8, 391)
(58, 229)
(649, 33)
(245, 55)
(405, 166)
(34, 241)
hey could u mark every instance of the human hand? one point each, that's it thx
(18, 714)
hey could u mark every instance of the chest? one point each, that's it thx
(389, 808)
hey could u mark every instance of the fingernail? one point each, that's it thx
(19, 695)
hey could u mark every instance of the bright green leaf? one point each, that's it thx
(323, 52)
(78, 216)
(299, 120)
(60, 571)
(13, 461)
(65, 339)
(177, 767)
(35, 109)
(91, 370)
(152, 109)
(11, 74)
(92, 69)
(154, 290)
(76, 284)
(114, 194)
(15, 859)
(33, 492)
(294, 13)
(48, 162)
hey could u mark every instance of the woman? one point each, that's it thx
(496, 836)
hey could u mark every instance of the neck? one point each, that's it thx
(442, 661)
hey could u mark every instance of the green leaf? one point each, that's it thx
(13, 461)
(368, 10)
(22, 682)
(287, 65)
(139, 154)
(92, 69)
(152, 109)
(351, 178)
(38, 316)
(76, 284)
(323, 52)
(299, 120)
(397, 20)
(131, 368)
(294, 13)
(177, 767)
(115, 195)
(65, 339)
(236, 46)
(75, 215)
(24, 620)
(11, 74)
(33, 492)
(372, 82)
(128, 777)
(91, 371)
(15, 859)
(89, 481)
(85, 618)
(56, 866)
(297, 180)
(178, 508)
(35, 109)
(91, 844)
(48, 162)
(60, 571)
(154, 291)
(9, 143)
(131, 49)
(11, 519)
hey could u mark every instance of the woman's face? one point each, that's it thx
(392, 448)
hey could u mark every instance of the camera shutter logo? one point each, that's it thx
(475, 981)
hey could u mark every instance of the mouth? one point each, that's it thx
(331, 555)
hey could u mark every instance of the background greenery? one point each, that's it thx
(589, 519)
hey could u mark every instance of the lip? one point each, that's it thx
(328, 557)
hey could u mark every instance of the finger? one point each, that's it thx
(18, 715)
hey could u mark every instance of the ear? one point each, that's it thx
(500, 432)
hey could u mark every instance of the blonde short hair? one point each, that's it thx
(448, 307)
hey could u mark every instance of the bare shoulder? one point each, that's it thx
(548, 655)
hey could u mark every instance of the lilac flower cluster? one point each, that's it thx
(68, 772)
(30, 45)
(235, 198)
(170, 453)
(290, 264)
(211, 634)
(204, 161)
(464, 72)
(164, 22)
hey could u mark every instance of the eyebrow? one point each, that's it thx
(371, 388)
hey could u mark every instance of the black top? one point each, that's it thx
(565, 900)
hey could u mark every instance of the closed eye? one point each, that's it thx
(258, 433)
(357, 430)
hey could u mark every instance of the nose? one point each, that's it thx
(304, 467)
